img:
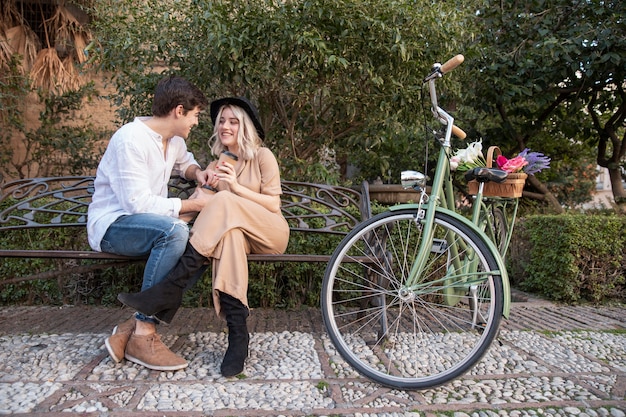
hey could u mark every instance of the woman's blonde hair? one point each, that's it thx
(247, 137)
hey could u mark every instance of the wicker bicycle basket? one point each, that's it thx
(512, 187)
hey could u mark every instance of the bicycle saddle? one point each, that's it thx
(486, 174)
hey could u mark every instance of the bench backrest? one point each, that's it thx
(63, 201)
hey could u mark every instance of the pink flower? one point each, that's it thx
(454, 163)
(501, 160)
(511, 165)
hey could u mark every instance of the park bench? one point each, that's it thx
(61, 202)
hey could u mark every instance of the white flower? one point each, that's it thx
(461, 154)
(468, 158)
(474, 151)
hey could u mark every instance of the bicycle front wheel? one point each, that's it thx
(420, 333)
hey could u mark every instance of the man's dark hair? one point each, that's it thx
(173, 91)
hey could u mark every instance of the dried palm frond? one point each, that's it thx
(9, 15)
(71, 76)
(20, 40)
(68, 32)
(80, 43)
(63, 19)
(6, 52)
(47, 70)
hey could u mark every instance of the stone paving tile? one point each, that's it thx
(548, 361)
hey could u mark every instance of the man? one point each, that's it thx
(131, 214)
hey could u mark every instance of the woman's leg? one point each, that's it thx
(230, 269)
(230, 285)
(236, 315)
(243, 227)
(164, 298)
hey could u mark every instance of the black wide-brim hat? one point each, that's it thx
(245, 104)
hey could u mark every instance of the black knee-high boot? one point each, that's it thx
(238, 338)
(166, 296)
(166, 316)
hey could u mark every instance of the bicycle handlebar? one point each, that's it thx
(438, 71)
(458, 132)
(452, 63)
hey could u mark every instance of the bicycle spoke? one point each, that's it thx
(411, 332)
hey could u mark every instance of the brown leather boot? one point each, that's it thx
(151, 352)
(116, 343)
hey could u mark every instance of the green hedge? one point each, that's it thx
(66, 287)
(284, 285)
(292, 284)
(570, 258)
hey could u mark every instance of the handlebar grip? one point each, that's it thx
(458, 132)
(452, 63)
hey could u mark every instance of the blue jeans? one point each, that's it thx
(163, 238)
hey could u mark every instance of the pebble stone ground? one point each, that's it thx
(550, 361)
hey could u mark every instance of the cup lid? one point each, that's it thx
(230, 154)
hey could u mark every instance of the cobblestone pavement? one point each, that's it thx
(549, 360)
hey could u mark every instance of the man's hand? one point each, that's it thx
(208, 176)
(195, 202)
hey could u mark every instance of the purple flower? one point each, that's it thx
(536, 161)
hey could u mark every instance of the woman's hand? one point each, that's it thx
(208, 177)
(226, 172)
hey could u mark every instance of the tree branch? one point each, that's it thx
(548, 196)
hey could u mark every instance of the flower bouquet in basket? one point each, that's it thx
(518, 168)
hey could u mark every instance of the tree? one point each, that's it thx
(42, 59)
(333, 78)
(554, 69)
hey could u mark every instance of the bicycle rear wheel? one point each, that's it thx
(412, 336)
(495, 226)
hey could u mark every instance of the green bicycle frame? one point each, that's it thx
(504, 204)
(442, 200)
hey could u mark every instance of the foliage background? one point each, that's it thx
(336, 81)
(339, 85)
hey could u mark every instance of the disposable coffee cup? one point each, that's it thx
(227, 156)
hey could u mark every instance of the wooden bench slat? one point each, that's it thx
(254, 257)
(75, 254)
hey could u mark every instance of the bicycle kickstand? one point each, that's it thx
(473, 292)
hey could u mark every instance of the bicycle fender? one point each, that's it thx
(506, 286)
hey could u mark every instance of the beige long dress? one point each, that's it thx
(230, 227)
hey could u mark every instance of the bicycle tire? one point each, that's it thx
(411, 338)
(496, 227)
(500, 229)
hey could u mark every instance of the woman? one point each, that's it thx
(242, 217)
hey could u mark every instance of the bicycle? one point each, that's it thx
(413, 297)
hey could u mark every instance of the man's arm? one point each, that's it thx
(198, 199)
(192, 174)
